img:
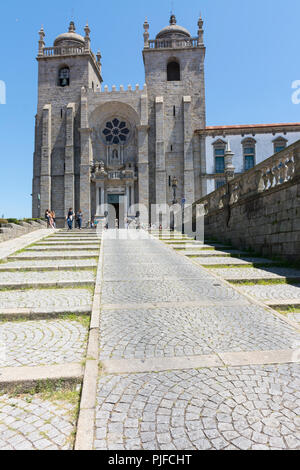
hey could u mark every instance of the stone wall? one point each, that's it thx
(10, 231)
(260, 210)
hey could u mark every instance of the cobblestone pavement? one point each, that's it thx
(41, 264)
(249, 407)
(31, 423)
(231, 408)
(37, 346)
(42, 249)
(46, 298)
(256, 273)
(273, 292)
(56, 254)
(168, 291)
(187, 331)
(215, 260)
(136, 271)
(32, 278)
(34, 343)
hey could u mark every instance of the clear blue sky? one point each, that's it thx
(252, 60)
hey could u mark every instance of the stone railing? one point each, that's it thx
(56, 51)
(173, 43)
(67, 51)
(270, 174)
(260, 209)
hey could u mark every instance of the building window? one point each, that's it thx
(64, 77)
(220, 160)
(173, 71)
(220, 183)
(219, 155)
(249, 153)
(279, 144)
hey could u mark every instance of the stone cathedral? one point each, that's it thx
(97, 147)
(94, 146)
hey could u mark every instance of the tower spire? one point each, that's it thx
(200, 31)
(87, 39)
(41, 41)
(146, 34)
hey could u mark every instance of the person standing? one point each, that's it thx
(79, 219)
(70, 218)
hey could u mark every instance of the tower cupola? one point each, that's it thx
(70, 39)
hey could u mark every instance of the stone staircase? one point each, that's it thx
(270, 282)
(46, 300)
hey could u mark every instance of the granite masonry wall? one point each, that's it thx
(260, 210)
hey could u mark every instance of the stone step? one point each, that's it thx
(258, 275)
(232, 262)
(48, 265)
(214, 254)
(275, 295)
(44, 248)
(20, 280)
(54, 255)
(54, 241)
(45, 284)
(58, 301)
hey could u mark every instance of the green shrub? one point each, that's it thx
(13, 221)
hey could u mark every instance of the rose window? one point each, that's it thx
(116, 132)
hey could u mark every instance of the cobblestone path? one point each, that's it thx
(188, 361)
(46, 294)
(191, 356)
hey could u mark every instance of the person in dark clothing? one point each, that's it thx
(79, 217)
(70, 218)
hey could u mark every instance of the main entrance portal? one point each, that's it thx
(116, 211)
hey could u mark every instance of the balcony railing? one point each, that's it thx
(173, 43)
(55, 51)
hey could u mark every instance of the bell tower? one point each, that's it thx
(63, 70)
(174, 70)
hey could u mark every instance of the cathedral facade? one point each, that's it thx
(96, 147)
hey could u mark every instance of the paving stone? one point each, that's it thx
(53, 277)
(19, 436)
(201, 387)
(46, 299)
(162, 332)
(36, 343)
(256, 273)
(273, 292)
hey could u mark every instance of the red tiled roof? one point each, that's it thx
(246, 126)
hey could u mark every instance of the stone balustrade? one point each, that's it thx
(173, 43)
(67, 51)
(260, 209)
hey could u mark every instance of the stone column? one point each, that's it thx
(229, 168)
(161, 178)
(297, 161)
(69, 159)
(45, 181)
(100, 199)
(85, 160)
(143, 158)
(189, 182)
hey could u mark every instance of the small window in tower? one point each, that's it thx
(174, 111)
(173, 72)
(64, 77)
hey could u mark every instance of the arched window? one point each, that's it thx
(64, 77)
(173, 71)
